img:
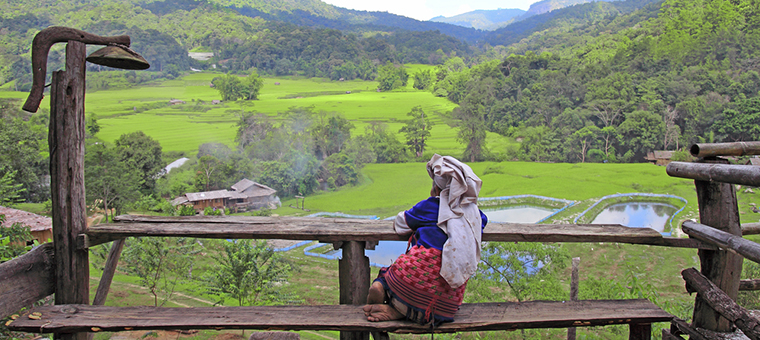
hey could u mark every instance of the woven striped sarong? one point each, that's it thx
(414, 280)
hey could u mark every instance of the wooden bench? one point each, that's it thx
(471, 317)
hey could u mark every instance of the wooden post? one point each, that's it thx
(640, 331)
(108, 271)
(66, 140)
(718, 209)
(573, 292)
(353, 271)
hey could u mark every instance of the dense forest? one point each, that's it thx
(597, 82)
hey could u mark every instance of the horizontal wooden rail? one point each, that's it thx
(470, 317)
(724, 173)
(744, 247)
(750, 228)
(725, 149)
(722, 303)
(749, 284)
(332, 230)
(26, 279)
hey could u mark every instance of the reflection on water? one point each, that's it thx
(637, 215)
(520, 214)
(384, 254)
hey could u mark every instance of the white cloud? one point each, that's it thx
(426, 9)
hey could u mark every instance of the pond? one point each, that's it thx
(518, 214)
(637, 215)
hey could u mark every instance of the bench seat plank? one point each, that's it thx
(345, 229)
(471, 317)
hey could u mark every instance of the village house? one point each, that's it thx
(245, 195)
(41, 226)
(659, 157)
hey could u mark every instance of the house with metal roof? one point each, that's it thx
(245, 195)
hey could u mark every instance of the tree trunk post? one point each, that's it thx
(353, 271)
(573, 292)
(718, 209)
(66, 139)
(108, 272)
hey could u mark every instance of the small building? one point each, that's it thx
(41, 226)
(245, 195)
(176, 102)
(660, 157)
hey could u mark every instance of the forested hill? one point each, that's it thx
(164, 31)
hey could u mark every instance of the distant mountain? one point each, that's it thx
(546, 6)
(483, 19)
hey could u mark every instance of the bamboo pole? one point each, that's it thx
(744, 247)
(725, 149)
(724, 173)
(722, 303)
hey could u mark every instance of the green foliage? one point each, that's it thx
(141, 153)
(528, 270)
(10, 192)
(423, 80)
(24, 154)
(211, 211)
(232, 87)
(111, 183)
(160, 263)
(250, 273)
(417, 130)
(13, 240)
(391, 77)
(186, 210)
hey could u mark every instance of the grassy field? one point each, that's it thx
(184, 127)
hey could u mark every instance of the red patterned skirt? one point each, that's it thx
(414, 280)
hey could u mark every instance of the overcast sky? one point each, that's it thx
(426, 9)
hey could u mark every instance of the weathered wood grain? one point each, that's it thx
(745, 247)
(353, 276)
(66, 141)
(750, 284)
(26, 279)
(722, 303)
(471, 317)
(717, 209)
(108, 271)
(750, 228)
(723, 173)
(685, 328)
(332, 230)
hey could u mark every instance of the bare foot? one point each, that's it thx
(376, 294)
(381, 312)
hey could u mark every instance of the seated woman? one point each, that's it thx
(427, 283)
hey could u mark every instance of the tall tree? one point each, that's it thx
(108, 180)
(417, 130)
(142, 153)
(391, 77)
(472, 130)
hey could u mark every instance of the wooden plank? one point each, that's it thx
(718, 209)
(750, 284)
(66, 141)
(723, 173)
(471, 317)
(722, 303)
(342, 229)
(353, 276)
(27, 279)
(685, 328)
(747, 248)
(108, 271)
(574, 278)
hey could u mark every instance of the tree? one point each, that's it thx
(109, 181)
(391, 77)
(585, 138)
(143, 154)
(92, 124)
(472, 130)
(538, 142)
(23, 151)
(528, 269)
(252, 128)
(740, 124)
(160, 263)
(248, 272)
(10, 192)
(642, 132)
(386, 147)
(207, 172)
(330, 135)
(417, 130)
(232, 87)
(423, 80)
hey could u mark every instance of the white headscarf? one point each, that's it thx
(458, 217)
